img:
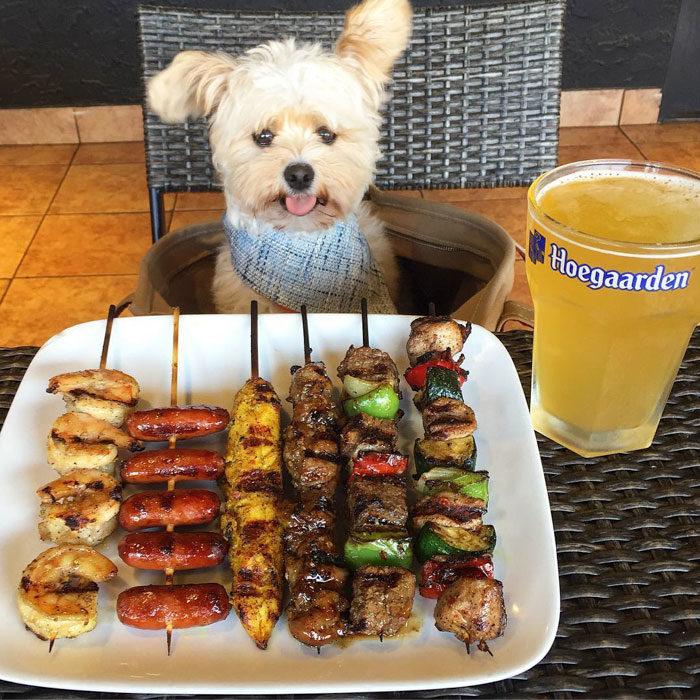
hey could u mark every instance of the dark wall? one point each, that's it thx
(84, 52)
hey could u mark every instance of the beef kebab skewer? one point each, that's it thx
(252, 517)
(184, 605)
(453, 544)
(314, 571)
(378, 547)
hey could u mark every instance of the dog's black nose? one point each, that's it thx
(299, 176)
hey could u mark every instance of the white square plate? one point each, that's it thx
(214, 363)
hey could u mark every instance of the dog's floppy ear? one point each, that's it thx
(191, 86)
(375, 34)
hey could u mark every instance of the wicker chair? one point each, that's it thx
(475, 99)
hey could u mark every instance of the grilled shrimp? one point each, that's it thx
(81, 441)
(57, 594)
(113, 412)
(106, 384)
(84, 428)
(80, 507)
(64, 457)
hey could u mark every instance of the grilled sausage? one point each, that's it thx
(184, 605)
(161, 508)
(183, 422)
(178, 464)
(173, 550)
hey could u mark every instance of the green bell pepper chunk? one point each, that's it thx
(379, 551)
(435, 539)
(382, 402)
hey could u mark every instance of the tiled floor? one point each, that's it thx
(74, 219)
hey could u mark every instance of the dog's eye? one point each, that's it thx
(264, 138)
(327, 136)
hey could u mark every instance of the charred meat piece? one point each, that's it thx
(313, 515)
(448, 509)
(309, 382)
(435, 334)
(473, 610)
(316, 413)
(382, 600)
(370, 364)
(311, 458)
(377, 503)
(447, 419)
(366, 433)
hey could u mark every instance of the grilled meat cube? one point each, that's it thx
(366, 433)
(315, 413)
(473, 610)
(435, 334)
(382, 600)
(370, 364)
(448, 509)
(321, 621)
(377, 503)
(313, 515)
(309, 382)
(447, 419)
(311, 458)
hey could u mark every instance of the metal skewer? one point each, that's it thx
(305, 328)
(171, 445)
(254, 339)
(365, 324)
(108, 334)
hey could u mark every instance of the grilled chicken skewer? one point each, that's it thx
(453, 543)
(251, 521)
(315, 577)
(378, 548)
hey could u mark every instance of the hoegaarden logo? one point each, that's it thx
(660, 280)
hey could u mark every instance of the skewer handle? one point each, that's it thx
(305, 328)
(254, 339)
(108, 334)
(365, 324)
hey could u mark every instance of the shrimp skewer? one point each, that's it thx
(80, 507)
(57, 595)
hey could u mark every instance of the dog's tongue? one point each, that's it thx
(300, 205)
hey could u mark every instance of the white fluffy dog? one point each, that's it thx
(294, 133)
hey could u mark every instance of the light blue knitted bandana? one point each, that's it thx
(329, 271)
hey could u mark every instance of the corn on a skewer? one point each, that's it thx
(251, 520)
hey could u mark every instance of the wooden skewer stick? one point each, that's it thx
(305, 328)
(171, 444)
(108, 334)
(51, 642)
(365, 324)
(254, 339)
(431, 308)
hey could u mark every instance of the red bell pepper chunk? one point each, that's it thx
(438, 573)
(376, 463)
(416, 376)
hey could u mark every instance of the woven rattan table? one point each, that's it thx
(627, 542)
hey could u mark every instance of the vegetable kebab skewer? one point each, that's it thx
(314, 570)
(453, 544)
(379, 547)
(253, 485)
(172, 606)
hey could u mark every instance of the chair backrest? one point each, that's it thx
(474, 101)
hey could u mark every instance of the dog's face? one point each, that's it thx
(293, 129)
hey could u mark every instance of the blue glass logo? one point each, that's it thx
(536, 244)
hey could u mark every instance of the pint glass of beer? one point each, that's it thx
(613, 258)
